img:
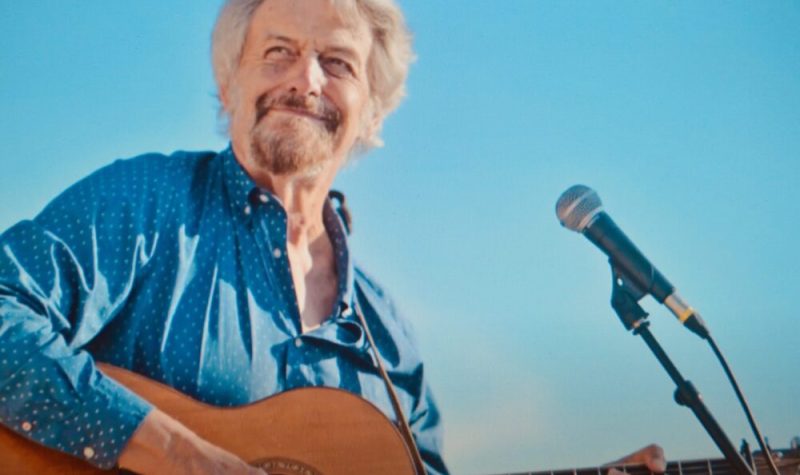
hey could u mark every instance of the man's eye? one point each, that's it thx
(338, 67)
(277, 52)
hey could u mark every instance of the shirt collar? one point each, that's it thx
(237, 181)
(244, 193)
(336, 230)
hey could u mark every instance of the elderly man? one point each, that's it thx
(224, 275)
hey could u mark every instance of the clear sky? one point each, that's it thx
(683, 115)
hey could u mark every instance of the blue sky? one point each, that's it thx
(683, 115)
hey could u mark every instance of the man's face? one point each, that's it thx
(300, 95)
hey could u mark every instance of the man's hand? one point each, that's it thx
(163, 445)
(651, 456)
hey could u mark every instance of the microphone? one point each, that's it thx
(580, 209)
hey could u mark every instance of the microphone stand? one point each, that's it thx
(625, 301)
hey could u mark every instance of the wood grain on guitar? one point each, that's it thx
(310, 431)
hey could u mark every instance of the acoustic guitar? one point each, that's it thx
(309, 431)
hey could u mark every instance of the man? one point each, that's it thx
(226, 276)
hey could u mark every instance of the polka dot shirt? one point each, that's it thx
(176, 267)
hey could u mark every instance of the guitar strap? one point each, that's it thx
(340, 203)
(402, 423)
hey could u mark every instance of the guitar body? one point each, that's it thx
(310, 431)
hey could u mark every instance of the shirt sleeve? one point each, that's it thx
(61, 281)
(426, 425)
(425, 420)
(397, 343)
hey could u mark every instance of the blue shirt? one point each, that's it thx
(176, 267)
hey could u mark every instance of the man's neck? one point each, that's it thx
(303, 200)
(302, 196)
(310, 251)
(308, 247)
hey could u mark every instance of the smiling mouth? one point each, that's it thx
(330, 123)
(300, 112)
(328, 116)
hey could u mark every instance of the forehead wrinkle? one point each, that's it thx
(268, 35)
(345, 12)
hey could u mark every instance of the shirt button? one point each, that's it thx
(263, 198)
(247, 210)
(277, 253)
(298, 342)
(88, 452)
(27, 426)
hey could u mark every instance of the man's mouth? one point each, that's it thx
(300, 112)
(293, 105)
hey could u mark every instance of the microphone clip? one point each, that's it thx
(625, 296)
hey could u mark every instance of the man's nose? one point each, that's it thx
(309, 77)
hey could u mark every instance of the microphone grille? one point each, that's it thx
(577, 207)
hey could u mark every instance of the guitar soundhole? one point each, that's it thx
(283, 466)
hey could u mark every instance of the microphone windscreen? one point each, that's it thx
(577, 207)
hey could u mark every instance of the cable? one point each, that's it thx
(756, 432)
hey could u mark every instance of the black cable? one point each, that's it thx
(764, 449)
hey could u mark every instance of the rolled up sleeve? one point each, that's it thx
(54, 298)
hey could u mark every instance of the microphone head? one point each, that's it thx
(577, 207)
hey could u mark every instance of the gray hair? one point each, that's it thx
(387, 66)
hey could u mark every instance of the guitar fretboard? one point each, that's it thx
(689, 467)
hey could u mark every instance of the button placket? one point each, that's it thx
(271, 239)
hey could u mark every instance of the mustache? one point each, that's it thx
(329, 115)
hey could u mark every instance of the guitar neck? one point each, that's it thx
(688, 467)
